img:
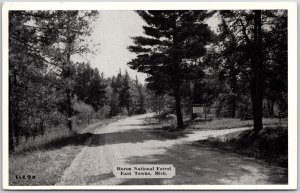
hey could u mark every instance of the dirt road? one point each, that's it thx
(132, 141)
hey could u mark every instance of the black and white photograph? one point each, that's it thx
(157, 96)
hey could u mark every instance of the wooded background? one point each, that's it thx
(240, 70)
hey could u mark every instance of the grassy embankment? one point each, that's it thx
(228, 123)
(271, 144)
(45, 158)
(169, 122)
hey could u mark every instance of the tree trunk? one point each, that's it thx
(233, 82)
(178, 110)
(42, 127)
(69, 110)
(128, 111)
(271, 108)
(69, 76)
(233, 107)
(257, 81)
(191, 101)
(177, 80)
(16, 118)
(205, 113)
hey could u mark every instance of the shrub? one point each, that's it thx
(165, 116)
(103, 112)
(271, 144)
(56, 118)
(84, 112)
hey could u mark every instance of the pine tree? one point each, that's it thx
(140, 98)
(97, 93)
(125, 96)
(90, 86)
(116, 87)
(173, 39)
(113, 98)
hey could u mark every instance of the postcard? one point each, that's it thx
(149, 95)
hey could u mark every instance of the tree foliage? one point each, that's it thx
(41, 72)
(246, 36)
(241, 70)
(173, 40)
(126, 94)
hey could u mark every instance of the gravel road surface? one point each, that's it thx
(133, 141)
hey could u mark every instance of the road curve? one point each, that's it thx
(131, 141)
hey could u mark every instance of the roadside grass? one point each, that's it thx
(227, 123)
(46, 166)
(59, 136)
(169, 123)
(270, 145)
(47, 157)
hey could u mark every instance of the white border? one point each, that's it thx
(292, 83)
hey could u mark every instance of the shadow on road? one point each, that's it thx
(134, 136)
(154, 144)
(127, 136)
(94, 179)
(139, 125)
(210, 167)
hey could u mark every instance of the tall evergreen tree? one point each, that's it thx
(116, 87)
(140, 98)
(97, 93)
(125, 96)
(89, 86)
(173, 38)
(113, 98)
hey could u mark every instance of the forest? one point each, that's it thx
(240, 70)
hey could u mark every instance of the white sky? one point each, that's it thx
(113, 30)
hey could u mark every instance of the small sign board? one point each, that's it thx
(198, 110)
(144, 171)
